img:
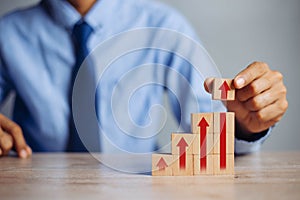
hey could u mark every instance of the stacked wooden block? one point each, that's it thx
(209, 149)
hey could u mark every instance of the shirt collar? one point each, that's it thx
(66, 15)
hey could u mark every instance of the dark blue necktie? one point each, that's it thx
(80, 34)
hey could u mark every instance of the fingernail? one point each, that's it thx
(240, 82)
(0, 152)
(29, 150)
(23, 153)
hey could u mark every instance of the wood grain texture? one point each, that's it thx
(162, 165)
(274, 175)
(188, 169)
(209, 170)
(229, 170)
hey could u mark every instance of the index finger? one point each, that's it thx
(251, 73)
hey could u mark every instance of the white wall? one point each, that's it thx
(237, 32)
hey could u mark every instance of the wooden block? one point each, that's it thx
(230, 119)
(223, 133)
(223, 89)
(217, 142)
(220, 169)
(182, 143)
(202, 122)
(162, 165)
(203, 165)
(205, 146)
(183, 165)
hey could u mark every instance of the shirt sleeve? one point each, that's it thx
(243, 147)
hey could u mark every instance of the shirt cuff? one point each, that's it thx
(244, 147)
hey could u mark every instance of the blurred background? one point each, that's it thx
(235, 33)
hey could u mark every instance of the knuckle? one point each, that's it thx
(256, 63)
(282, 95)
(265, 66)
(284, 105)
(278, 75)
(284, 90)
(258, 68)
(261, 65)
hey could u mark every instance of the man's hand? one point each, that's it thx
(260, 98)
(11, 136)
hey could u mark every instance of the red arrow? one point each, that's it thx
(224, 90)
(203, 130)
(182, 152)
(223, 140)
(161, 164)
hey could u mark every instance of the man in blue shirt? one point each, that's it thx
(37, 61)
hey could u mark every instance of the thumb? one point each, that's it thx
(208, 84)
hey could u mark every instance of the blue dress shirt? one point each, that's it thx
(37, 57)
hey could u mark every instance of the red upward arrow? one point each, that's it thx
(223, 140)
(203, 130)
(161, 164)
(182, 152)
(203, 125)
(224, 90)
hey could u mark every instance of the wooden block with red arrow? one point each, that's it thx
(182, 143)
(202, 127)
(162, 165)
(223, 142)
(202, 122)
(223, 89)
(182, 150)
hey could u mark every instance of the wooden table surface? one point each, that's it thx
(266, 175)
